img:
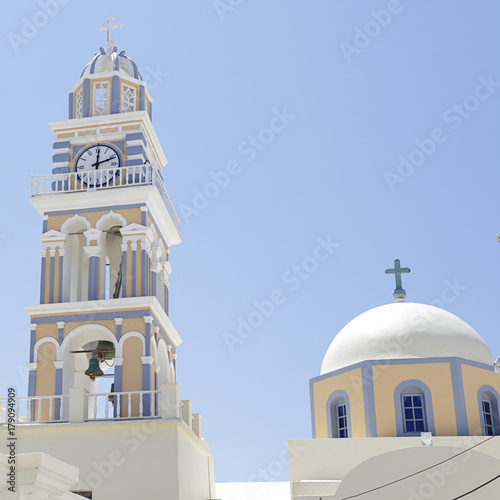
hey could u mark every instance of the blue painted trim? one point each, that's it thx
(70, 105)
(94, 278)
(61, 145)
(136, 71)
(42, 281)
(115, 95)
(134, 264)
(60, 335)
(153, 284)
(93, 63)
(151, 111)
(118, 378)
(134, 150)
(61, 270)
(429, 412)
(124, 274)
(77, 148)
(459, 398)
(147, 346)
(60, 170)
(32, 346)
(90, 317)
(44, 226)
(52, 272)
(118, 332)
(146, 386)
(403, 361)
(142, 98)
(86, 98)
(144, 271)
(334, 398)
(313, 413)
(31, 383)
(60, 157)
(143, 217)
(136, 136)
(166, 298)
(58, 392)
(369, 400)
(495, 408)
(134, 162)
(96, 209)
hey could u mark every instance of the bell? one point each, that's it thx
(94, 369)
(105, 350)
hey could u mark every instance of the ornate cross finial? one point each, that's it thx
(399, 294)
(110, 26)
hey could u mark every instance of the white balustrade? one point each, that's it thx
(122, 405)
(34, 409)
(74, 182)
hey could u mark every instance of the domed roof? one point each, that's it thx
(110, 60)
(405, 330)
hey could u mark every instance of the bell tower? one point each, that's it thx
(108, 225)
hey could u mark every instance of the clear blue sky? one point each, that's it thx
(357, 110)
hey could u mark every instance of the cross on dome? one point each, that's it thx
(399, 293)
(110, 26)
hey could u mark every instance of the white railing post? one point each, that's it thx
(78, 405)
(169, 401)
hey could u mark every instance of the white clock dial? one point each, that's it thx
(98, 165)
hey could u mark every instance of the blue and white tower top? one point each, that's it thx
(110, 83)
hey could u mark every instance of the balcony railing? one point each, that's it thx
(121, 405)
(75, 182)
(34, 409)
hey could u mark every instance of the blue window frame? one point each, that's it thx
(488, 418)
(342, 427)
(413, 413)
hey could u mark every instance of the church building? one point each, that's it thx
(406, 404)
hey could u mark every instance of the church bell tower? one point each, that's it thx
(108, 224)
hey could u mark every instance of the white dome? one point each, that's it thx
(405, 330)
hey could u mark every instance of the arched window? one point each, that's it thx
(413, 406)
(489, 403)
(339, 415)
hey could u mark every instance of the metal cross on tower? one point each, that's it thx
(110, 26)
(399, 293)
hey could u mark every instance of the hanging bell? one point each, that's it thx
(105, 350)
(94, 369)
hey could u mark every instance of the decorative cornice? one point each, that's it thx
(147, 360)
(32, 366)
(118, 361)
(58, 364)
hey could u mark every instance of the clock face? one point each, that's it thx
(97, 165)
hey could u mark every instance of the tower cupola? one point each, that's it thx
(110, 83)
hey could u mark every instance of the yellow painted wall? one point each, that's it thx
(46, 330)
(45, 376)
(437, 376)
(133, 325)
(474, 378)
(132, 371)
(132, 215)
(351, 383)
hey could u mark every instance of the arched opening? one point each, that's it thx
(413, 406)
(76, 261)
(339, 415)
(111, 262)
(489, 404)
(86, 338)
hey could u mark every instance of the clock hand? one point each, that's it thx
(107, 159)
